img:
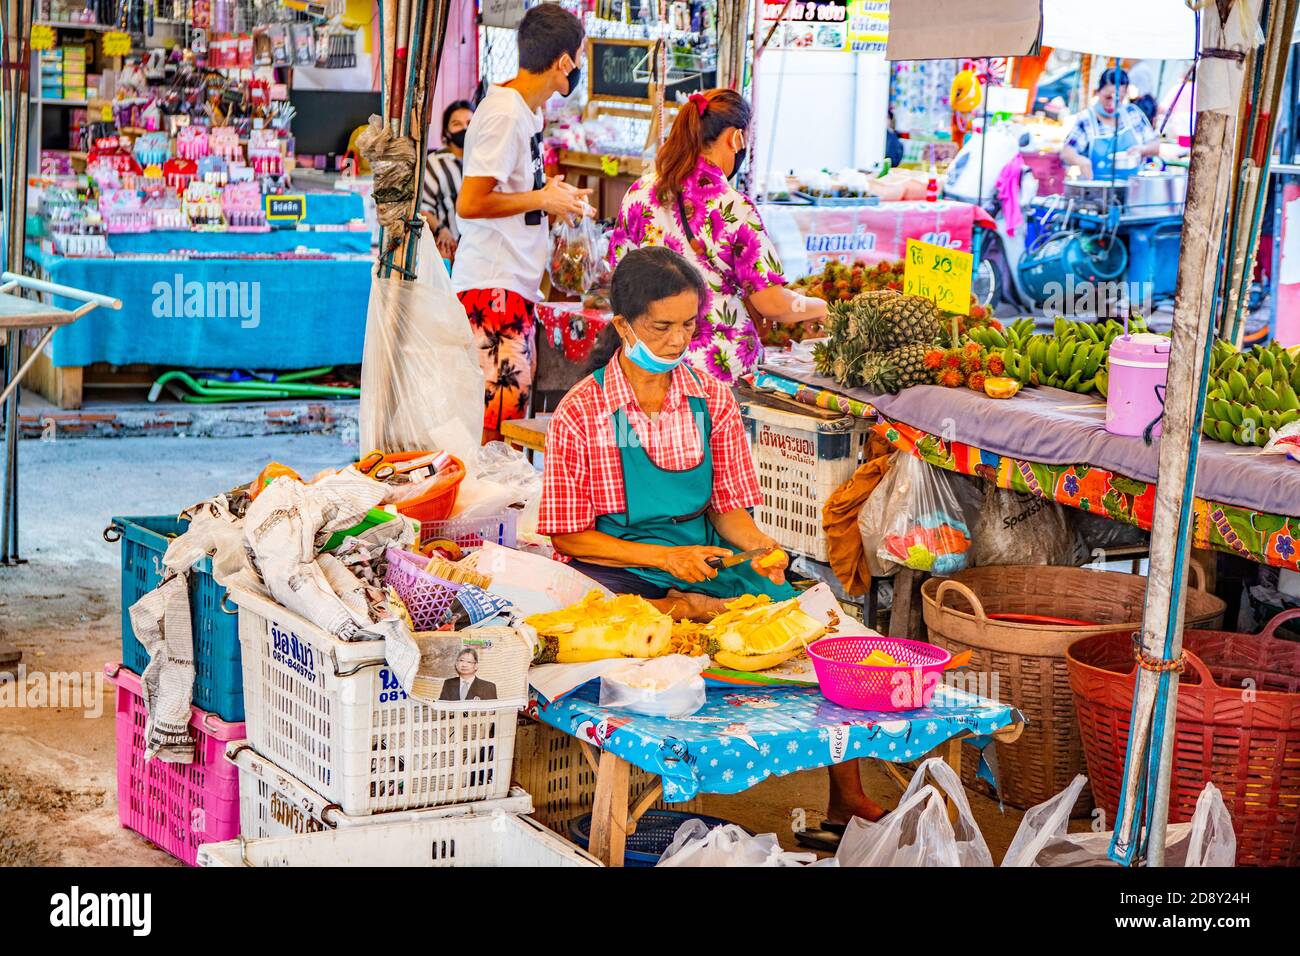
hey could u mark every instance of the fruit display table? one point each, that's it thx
(1053, 444)
(745, 734)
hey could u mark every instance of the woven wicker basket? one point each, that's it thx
(1028, 660)
(1249, 748)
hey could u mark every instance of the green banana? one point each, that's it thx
(1102, 382)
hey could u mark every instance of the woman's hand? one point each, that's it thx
(784, 306)
(446, 243)
(690, 562)
(774, 570)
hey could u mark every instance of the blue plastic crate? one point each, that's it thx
(218, 673)
(654, 833)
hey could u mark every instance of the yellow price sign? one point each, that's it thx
(940, 274)
(42, 37)
(116, 43)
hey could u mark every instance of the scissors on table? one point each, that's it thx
(376, 466)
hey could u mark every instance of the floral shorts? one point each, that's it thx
(503, 327)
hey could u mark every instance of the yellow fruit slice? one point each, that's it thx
(754, 662)
(773, 558)
(1000, 387)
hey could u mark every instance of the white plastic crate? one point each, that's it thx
(333, 715)
(800, 461)
(501, 840)
(274, 803)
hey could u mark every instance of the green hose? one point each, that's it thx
(215, 390)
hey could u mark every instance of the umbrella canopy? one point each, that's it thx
(1149, 30)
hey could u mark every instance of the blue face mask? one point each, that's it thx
(641, 356)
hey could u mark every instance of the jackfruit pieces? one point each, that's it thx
(754, 634)
(597, 628)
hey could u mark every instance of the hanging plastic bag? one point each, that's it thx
(925, 524)
(695, 844)
(499, 476)
(421, 382)
(573, 255)
(1016, 528)
(871, 523)
(669, 686)
(919, 833)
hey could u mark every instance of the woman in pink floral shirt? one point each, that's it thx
(687, 205)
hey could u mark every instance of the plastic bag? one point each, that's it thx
(669, 686)
(573, 255)
(695, 844)
(392, 161)
(1016, 528)
(918, 833)
(871, 524)
(499, 476)
(925, 524)
(421, 382)
(1043, 838)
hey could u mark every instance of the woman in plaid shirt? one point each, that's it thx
(648, 473)
(1111, 137)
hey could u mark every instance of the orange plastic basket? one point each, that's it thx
(1238, 725)
(437, 503)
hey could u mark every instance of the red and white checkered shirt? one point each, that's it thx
(583, 474)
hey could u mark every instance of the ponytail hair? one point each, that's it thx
(700, 121)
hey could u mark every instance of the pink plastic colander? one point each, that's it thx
(867, 687)
(176, 806)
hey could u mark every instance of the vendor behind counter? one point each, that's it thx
(648, 473)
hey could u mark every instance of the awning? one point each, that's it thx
(1146, 30)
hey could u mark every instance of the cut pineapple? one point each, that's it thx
(755, 634)
(597, 628)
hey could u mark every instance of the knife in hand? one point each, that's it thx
(735, 559)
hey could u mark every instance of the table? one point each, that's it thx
(527, 433)
(743, 735)
(1053, 444)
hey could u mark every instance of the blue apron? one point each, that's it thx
(1104, 146)
(671, 508)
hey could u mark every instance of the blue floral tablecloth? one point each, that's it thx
(744, 735)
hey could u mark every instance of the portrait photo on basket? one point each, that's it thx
(472, 669)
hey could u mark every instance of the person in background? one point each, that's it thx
(1108, 130)
(688, 205)
(503, 205)
(444, 171)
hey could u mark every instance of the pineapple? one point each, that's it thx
(597, 628)
(895, 370)
(824, 358)
(754, 634)
(886, 320)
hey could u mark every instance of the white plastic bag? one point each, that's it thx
(871, 522)
(695, 844)
(919, 833)
(669, 686)
(421, 383)
(1043, 838)
(925, 526)
(498, 477)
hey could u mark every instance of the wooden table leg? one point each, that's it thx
(609, 810)
(905, 615)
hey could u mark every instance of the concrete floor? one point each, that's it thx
(57, 767)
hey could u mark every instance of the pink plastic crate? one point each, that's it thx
(427, 597)
(176, 806)
(867, 687)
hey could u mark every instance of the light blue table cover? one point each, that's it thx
(744, 735)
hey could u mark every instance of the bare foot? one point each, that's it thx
(863, 807)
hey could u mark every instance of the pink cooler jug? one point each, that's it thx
(1139, 369)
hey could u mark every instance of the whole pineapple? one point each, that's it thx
(896, 369)
(888, 320)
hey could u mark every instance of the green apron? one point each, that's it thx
(671, 508)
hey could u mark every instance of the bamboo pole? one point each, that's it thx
(1156, 694)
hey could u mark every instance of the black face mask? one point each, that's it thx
(572, 78)
(740, 161)
(457, 138)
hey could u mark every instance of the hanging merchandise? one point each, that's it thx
(573, 266)
(925, 519)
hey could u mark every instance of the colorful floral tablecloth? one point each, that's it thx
(744, 735)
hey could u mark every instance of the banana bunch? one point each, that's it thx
(1009, 345)
(1074, 356)
(1251, 393)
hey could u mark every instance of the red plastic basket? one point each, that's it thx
(176, 806)
(436, 504)
(1246, 744)
(848, 683)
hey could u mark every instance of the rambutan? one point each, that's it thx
(950, 378)
(952, 359)
(975, 381)
(934, 359)
(995, 365)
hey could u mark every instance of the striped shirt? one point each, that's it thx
(443, 175)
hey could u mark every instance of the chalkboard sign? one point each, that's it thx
(612, 68)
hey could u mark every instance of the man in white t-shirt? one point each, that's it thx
(503, 209)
